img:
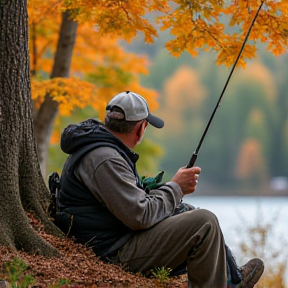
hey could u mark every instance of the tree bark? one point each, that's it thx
(49, 108)
(21, 187)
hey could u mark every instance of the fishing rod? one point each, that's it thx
(196, 151)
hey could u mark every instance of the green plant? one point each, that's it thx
(60, 284)
(161, 274)
(13, 272)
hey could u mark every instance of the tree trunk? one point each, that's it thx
(21, 187)
(48, 111)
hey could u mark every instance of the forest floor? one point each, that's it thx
(77, 266)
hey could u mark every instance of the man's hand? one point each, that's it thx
(187, 179)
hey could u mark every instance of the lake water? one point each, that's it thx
(236, 214)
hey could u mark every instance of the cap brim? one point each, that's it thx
(155, 121)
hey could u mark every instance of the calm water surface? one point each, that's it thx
(235, 214)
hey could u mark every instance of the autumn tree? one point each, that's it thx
(195, 25)
(85, 67)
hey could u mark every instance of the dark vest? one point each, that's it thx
(92, 223)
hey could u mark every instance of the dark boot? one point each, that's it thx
(251, 273)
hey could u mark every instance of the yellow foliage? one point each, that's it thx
(69, 92)
(111, 69)
(55, 137)
(93, 50)
(121, 19)
(40, 11)
(101, 24)
(44, 23)
(72, 92)
(196, 25)
(258, 71)
(183, 90)
(250, 159)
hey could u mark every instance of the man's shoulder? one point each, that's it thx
(104, 153)
(105, 150)
(98, 157)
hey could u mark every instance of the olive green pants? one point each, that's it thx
(193, 237)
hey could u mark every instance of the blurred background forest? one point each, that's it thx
(247, 143)
(246, 146)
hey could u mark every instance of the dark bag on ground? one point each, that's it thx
(62, 220)
(54, 186)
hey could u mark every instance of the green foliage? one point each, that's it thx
(101, 77)
(56, 156)
(162, 274)
(61, 283)
(14, 273)
(150, 153)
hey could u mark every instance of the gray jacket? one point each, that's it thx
(110, 179)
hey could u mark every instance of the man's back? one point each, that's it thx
(80, 196)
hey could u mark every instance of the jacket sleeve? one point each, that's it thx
(113, 183)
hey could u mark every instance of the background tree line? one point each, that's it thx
(246, 144)
(247, 141)
(72, 71)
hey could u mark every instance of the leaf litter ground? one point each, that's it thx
(80, 266)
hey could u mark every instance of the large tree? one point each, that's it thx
(21, 186)
(48, 110)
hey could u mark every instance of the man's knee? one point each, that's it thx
(207, 215)
(200, 217)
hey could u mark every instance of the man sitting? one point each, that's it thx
(123, 223)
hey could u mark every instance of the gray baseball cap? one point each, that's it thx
(135, 108)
